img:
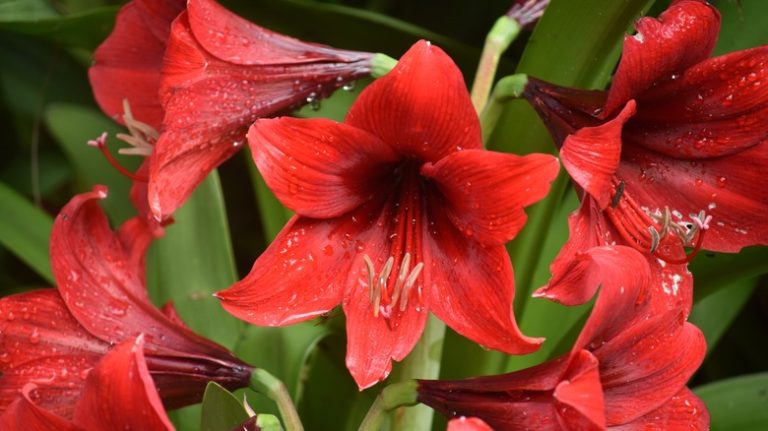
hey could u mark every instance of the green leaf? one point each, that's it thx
(221, 411)
(83, 30)
(73, 126)
(738, 403)
(193, 260)
(18, 10)
(743, 25)
(715, 313)
(24, 230)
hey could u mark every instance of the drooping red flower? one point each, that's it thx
(399, 212)
(208, 74)
(118, 393)
(672, 154)
(627, 370)
(52, 339)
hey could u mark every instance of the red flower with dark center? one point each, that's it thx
(627, 370)
(207, 75)
(679, 161)
(399, 212)
(121, 377)
(52, 339)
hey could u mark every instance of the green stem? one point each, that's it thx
(269, 385)
(503, 32)
(393, 396)
(381, 64)
(422, 363)
(508, 88)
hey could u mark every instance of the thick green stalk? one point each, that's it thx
(267, 384)
(508, 88)
(503, 32)
(394, 396)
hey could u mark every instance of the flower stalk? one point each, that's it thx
(401, 394)
(502, 34)
(508, 88)
(269, 385)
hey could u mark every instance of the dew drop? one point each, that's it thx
(721, 182)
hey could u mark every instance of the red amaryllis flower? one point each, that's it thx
(121, 377)
(53, 338)
(467, 424)
(219, 73)
(672, 155)
(399, 212)
(627, 370)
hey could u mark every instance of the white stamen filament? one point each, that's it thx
(406, 279)
(141, 136)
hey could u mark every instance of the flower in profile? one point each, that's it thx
(399, 212)
(627, 369)
(672, 154)
(53, 339)
(207, 76)
(120, 376)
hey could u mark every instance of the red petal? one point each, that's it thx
(468, 424)
(127, 65)
(728, 188)
(591, 155)
(682, 36)
(486, 191)
(210, 104)
(44, 345)
(683, 412)
(581, 395)
(421, 107)
(24, 415)
(102, 282)
(319, 168)
(236, 40)
(119, 393)
(301, 275)
(471, 287)
(718, 107)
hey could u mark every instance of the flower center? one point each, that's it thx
(392, 286)
(657, 232)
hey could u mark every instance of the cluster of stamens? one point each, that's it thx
(404, 283)
(141, 137)
(687, 231)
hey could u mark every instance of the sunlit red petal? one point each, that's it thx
(320, 168)
(486, 191)
(301, 275)
(119, 393)
(717, 107)
(465, 276)
(592, 154)
(25, 415)
(42, 344)
(236, 40)
(127, 64)
(682, 36)
(684, 411)
(727, 188)
(421, 107)
(467, 424)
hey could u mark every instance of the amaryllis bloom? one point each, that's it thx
(210, 75)
(399, 212)
(118, 394)
(627, 369)
(673, 153)
(54, 338)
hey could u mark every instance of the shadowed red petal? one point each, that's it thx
(119, 393)
(210, 104)
(42, 344)
(468, 424)
(716, 108)
(319, 168)
(421, 107)
(581, 394)
(486, 191)
(682, 36)
(684, 411)
(102, 283)
(591, 155)
(236, 40)
(727, 188)
(301, 275)
(465, 276)
(127, 65)
(24, 415)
